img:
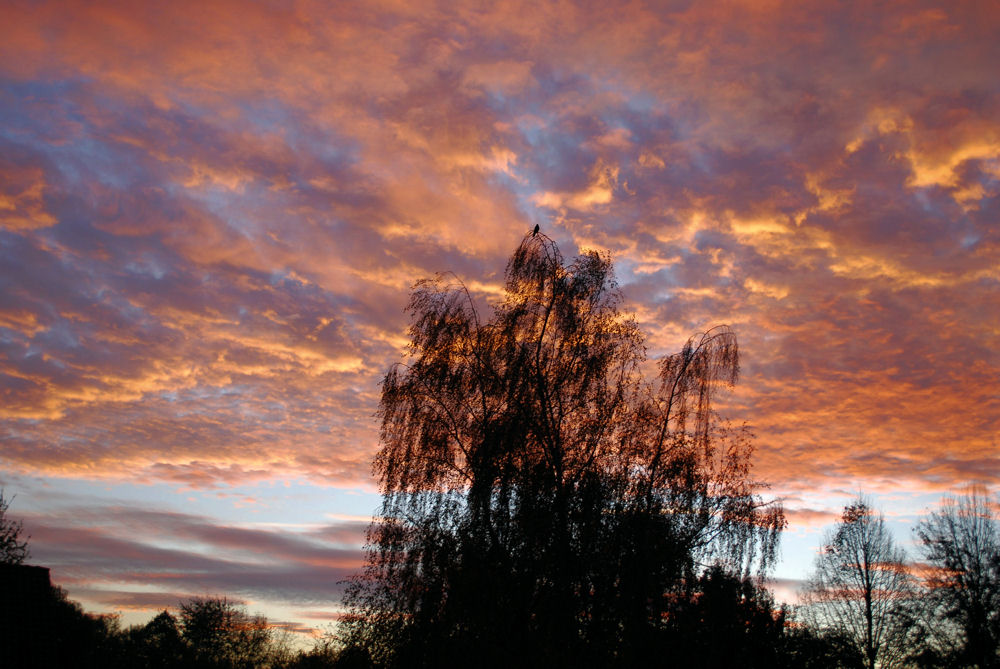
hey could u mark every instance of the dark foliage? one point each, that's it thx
(543, 503)
(13, 543)
(323, 655)
(804, 647)
(221, 634)
(50, 630)
(724, 618)
(156, 645)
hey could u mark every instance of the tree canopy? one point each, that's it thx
(543, 499)
(220, 633)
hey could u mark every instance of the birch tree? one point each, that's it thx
(541, 498)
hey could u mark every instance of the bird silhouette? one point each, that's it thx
(535, 231)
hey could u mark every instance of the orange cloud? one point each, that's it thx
(211, 216)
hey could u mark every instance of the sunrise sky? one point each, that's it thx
(211, 215)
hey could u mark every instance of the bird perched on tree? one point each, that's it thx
(535, 231)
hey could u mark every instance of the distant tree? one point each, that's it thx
(543, 503)
(860, 589)
(156, 645)
(220, 633)
(961, 544)
(13, 548)
(324, 654)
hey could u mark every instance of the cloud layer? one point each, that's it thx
(210, 218)
(144, 560)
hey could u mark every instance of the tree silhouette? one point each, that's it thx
(723, 618)
(543, 502)
(219, 633)
(961, 543)
(157, 644)
(860, 588)
(40, 626)
(13, 549)
(804, 647)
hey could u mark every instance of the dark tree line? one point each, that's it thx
(52, 630)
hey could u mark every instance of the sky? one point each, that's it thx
(212, 213)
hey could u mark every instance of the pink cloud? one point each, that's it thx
(210, 219)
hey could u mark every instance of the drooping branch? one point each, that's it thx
(526, 456)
